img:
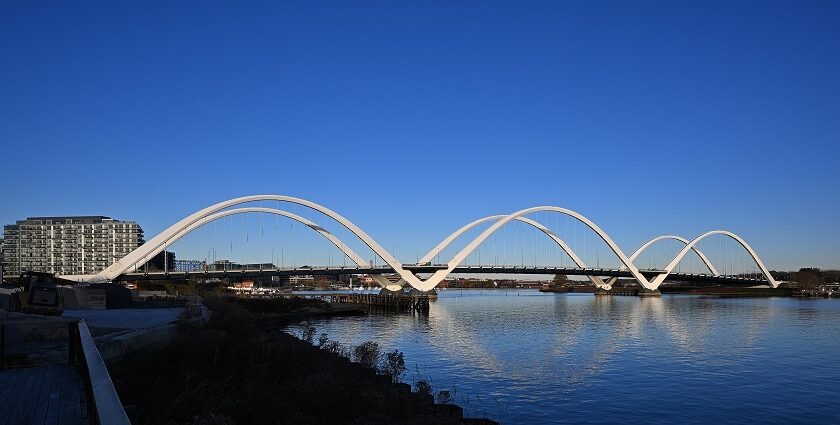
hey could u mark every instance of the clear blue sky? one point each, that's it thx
(412, 118)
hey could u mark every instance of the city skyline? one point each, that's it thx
(730, 121)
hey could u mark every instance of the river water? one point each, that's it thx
(521, 356)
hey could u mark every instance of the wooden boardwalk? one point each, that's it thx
(49, 394)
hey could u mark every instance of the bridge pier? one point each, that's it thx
(632, 291)
(644, 292)
(388, 291)
(602, 291)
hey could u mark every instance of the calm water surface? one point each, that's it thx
(521, 356)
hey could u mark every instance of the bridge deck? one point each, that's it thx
(50, 394)
(648, 273)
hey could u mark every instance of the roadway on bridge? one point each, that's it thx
(523, 270)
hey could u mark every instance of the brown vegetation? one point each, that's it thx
(236, 371)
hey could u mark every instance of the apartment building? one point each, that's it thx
(67, 245)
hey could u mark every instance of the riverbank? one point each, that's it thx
(583, 289)
(240, 369)
(546, 358)
(727, 292)
(279, 311)
(689, 290)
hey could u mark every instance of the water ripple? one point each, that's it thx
(526, 357)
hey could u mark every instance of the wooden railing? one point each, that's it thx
(40, 341)
(104, 403)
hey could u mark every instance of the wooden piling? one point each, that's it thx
(386, 302)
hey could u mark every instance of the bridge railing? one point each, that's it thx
(35, 342)
(104, 405)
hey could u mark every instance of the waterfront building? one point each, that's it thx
(301, 279)
(67, 245)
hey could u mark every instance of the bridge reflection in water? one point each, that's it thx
(528, 357)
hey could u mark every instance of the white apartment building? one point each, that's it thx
(67, 245)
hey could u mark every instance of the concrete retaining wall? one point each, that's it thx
(115, 345)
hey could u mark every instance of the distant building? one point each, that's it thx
(223, 265)
(258, 266)
(67, 245)
(190, 265)
(162, 261)
(245, 284)
(1, 260)
(301, 279)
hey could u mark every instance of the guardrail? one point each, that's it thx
(104, 402)
(38, 341)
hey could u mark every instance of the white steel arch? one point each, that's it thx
(597, 281)
(688, 247)
(439, 275)
(352, 255)
(134, 257)
(346, 250)
(159, 242)
(455, 235)
(685, 241)
(611, 281)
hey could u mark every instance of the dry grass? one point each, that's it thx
(235, 371)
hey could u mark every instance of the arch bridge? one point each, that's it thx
(427, 273)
